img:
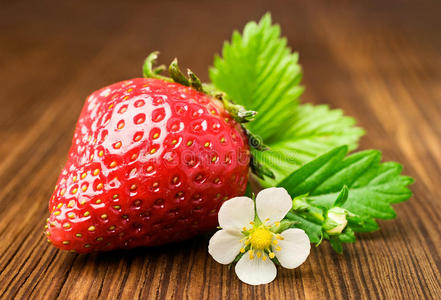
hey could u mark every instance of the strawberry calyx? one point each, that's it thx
(239, 113)
(154, 72)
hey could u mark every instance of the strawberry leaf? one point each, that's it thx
(258, 70)
(313, 131)
(372, 187)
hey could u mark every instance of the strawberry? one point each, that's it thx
(151, 162)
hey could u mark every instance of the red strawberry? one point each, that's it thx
(150, 163)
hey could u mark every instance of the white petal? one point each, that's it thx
(236, 213)
(225, 245)
(294, 248)
(255, 271)
(273, 203)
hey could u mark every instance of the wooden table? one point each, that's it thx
(380, 62)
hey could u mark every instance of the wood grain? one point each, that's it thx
(379, 61)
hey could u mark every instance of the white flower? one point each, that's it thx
(243, 231)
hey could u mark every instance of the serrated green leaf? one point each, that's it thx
(313, 130)
(258, 70)
(373, 186)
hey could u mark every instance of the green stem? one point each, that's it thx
(260, 170)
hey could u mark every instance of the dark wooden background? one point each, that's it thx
(378, 60)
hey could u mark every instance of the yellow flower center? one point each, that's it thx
(260, 238)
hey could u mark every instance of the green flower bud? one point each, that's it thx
(335, 221)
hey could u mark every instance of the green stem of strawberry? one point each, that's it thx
(260, 170)
(254, 141)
